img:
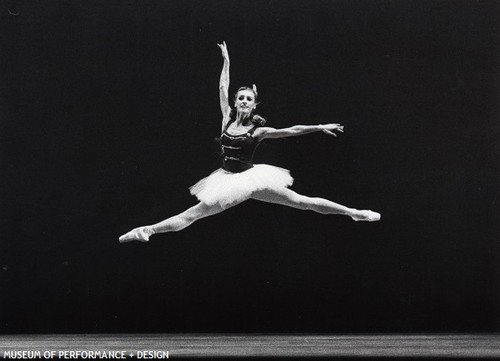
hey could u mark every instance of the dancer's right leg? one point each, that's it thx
(289, 198)
(173, 224)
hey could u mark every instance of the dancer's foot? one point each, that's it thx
(368, 216)
(140, 234)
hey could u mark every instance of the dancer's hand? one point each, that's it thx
(330, 128)
(223, 48)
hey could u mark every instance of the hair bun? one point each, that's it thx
(258, 120)
(254, 88)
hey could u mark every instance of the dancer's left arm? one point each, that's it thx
(267, 132)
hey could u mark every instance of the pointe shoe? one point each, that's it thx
(137, 234)
(368, 216)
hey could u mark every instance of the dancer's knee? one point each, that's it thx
(286, 197)
(189, 217)
(304, 202)
(201, 210)
(297, 200)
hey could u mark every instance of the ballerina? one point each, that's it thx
(239, 179)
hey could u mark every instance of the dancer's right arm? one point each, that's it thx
(224, 85)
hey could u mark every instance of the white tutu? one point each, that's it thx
(225, 188)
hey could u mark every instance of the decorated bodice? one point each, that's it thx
(238, 150)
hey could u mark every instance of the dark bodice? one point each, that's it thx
(238, 150)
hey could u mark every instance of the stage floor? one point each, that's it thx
(158, 346)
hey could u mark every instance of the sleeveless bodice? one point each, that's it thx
(238, 150)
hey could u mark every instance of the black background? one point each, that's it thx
(108, 113)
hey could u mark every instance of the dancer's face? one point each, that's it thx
(245, 101)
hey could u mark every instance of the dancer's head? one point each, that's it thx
(245, 100)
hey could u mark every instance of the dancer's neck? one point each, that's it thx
(242, 119)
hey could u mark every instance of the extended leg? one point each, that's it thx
(290, 198)
(172, 224)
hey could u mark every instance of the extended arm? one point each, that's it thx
(224, 84)
(267, 132)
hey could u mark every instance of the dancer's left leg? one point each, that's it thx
(174, 223)
(289, 198)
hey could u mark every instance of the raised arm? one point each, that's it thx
(267, 132)
(224, 85)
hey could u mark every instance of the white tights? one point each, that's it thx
(285, 197)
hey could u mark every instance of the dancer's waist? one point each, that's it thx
(236, 165)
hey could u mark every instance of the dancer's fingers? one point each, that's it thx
(329, 132)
